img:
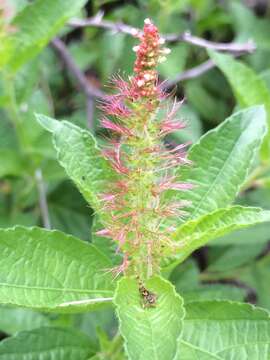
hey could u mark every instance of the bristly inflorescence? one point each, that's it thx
(138, 212)
(6, 13)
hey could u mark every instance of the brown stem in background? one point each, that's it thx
(85, 86)
(91, 92)
(97, 21)
(232, 47)
(192, 73)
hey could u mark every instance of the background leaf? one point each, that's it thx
(222, 160)
(49, 343)
(11, 163)
(196, 233)
(237, 331)
(13, 320)
(35, 25)
(248, 87)
(257, 274)
(78, 153)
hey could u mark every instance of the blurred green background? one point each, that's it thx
(35, 79)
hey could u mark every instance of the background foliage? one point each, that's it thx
(36, 78)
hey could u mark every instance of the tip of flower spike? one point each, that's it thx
(148, 54)
(147, 21)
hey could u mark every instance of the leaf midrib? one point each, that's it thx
(200, 349)
(41, 288)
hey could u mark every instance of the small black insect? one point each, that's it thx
(148, 298)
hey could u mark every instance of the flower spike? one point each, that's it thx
(137, 208)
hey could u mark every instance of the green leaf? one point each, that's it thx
(46, 343)
(52, 271)
(38, 142)
(189, 352)
(91, 323)
(186, 279)
(68, 211)
(248, 87)
(13, 320)
(149, 332)
(196, 233)
(110, 52)
(227, 330)
(35, 26)
(257, 275)
(215, 292)
(176, 61)
(248, 26)
(10, 163)
(210, 107)
(257, 235)
(7, 133)
(225, 258)
(222, 160)
(78, 153)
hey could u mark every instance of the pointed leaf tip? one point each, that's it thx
(48, 123)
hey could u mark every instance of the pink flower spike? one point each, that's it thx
(113, 155)
(175, 107)
(113, 105)
(180, 186)
(108, 197)
(104, 232)
(124, 88)
(107, 124)
(121, 237)
(169, 184)
(169, 126)
(121, 268)
(180, 147)
(171, 229)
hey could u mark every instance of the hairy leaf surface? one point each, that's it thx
(52, 271)
(227, 330)
(249, 88)
(35, 26)
(196, 233)
(222, 160)
(80, 156)
(46, 343)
